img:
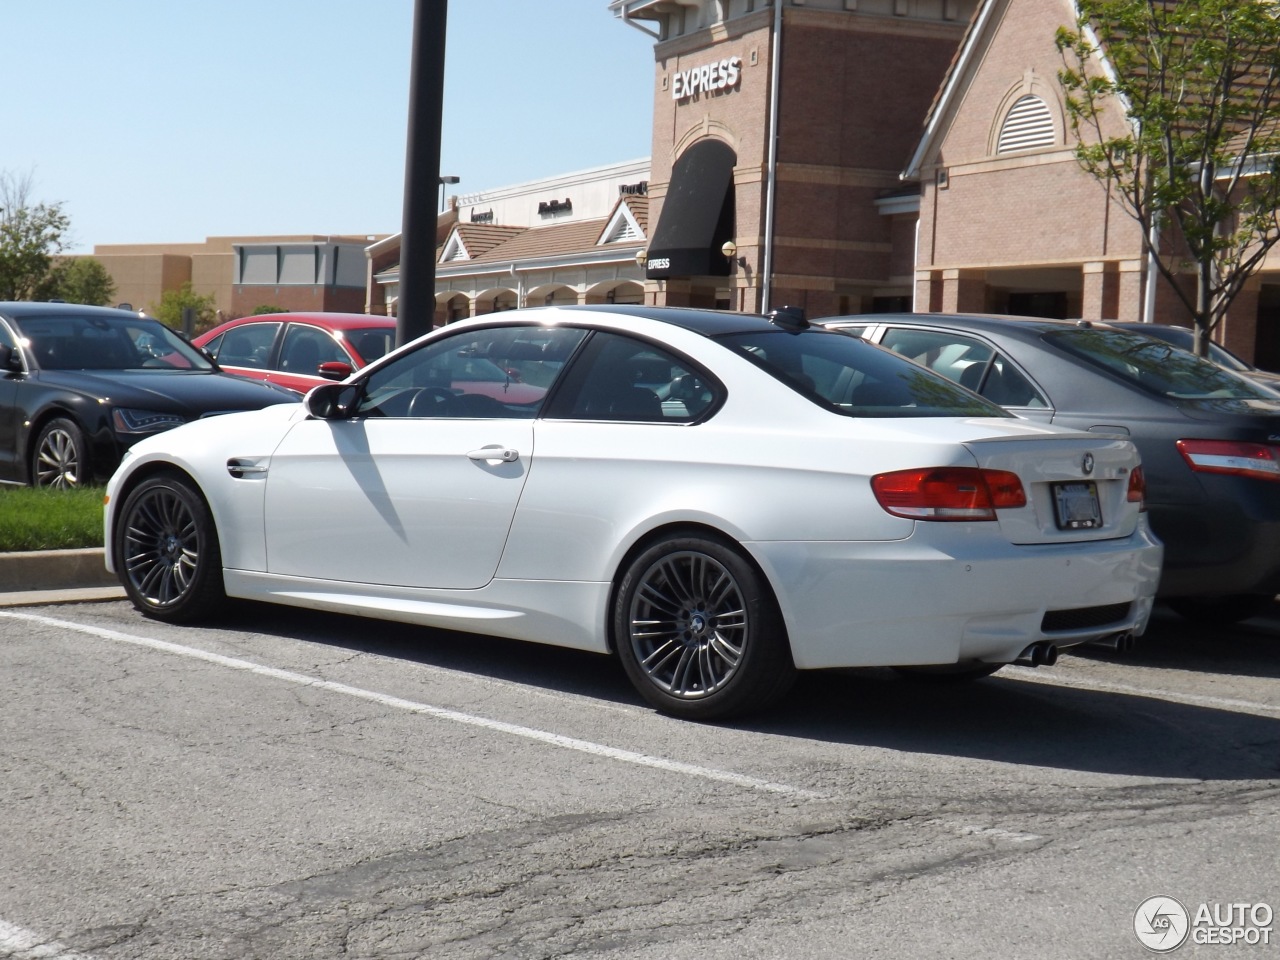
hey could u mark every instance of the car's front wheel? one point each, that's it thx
(60, 458)
(698, 631)
(167, 551)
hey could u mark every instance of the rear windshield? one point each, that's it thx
(856, 378)
(1155, 366)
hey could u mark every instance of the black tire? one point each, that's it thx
(949, 672)
(60, 458)
(167, 553)
(1228, 609)
(698, 631)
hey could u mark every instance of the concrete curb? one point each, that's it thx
(56, 576)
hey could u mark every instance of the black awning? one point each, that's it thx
(697, 215)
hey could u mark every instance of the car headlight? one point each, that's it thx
(144, 421)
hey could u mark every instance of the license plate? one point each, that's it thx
(1076, 506)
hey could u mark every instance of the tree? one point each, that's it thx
(30, 236)
(266, 308)
(78, 280)
(172, 302)
(1176, 108)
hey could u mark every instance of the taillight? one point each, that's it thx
(1138, 488)
(948, 493)
(1232, 456)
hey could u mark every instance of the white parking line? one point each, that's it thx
(1106, 686)
(440, 713)
(23, 944)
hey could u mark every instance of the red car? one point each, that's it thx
(299, 350)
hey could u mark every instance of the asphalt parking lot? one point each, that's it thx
(288, 784)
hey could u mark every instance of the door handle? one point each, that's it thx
(505, 454)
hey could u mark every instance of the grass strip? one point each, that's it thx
(44, 519)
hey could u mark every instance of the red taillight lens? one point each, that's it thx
(948, 493)
(1138, 488)
(1232, 456)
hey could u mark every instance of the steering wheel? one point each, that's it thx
(429, 401)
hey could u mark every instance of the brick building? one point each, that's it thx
(839, 89)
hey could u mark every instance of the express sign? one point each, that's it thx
(708, 78)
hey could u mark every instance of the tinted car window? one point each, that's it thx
(856, 378)
(107, 343)
(372, 344)
(477, 373)
(248, 345)
(305, 348)
(1154, 366)
(620, 378)
(967, 361)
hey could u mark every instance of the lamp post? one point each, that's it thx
(443, 181)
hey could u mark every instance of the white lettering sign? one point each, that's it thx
(707, 78)
(660, 263)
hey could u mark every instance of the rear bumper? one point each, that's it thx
(947, 594)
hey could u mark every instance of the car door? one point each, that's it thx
(246, 349)
(302, 350)
(971, 362)
(419, 486)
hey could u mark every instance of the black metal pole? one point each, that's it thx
(417, 303)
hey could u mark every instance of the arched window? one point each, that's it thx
(1028, 124)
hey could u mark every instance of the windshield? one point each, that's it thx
(1154, 365)
(97, 342)
(856, 378)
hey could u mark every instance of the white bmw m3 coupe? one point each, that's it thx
(718, 499)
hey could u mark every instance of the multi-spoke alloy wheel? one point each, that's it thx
(698, 631)
(167, 551)
(59, 460)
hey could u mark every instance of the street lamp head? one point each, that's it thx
(642, 256)
(444, 180)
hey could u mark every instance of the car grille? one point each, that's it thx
(1084, 618)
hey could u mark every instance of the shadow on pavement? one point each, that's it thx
(998, 719)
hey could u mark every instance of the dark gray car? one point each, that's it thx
(1209, 438)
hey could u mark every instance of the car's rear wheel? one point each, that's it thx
(949, 672)
(60, 458)
(1228, 609)
(698, 630)
(167, 551)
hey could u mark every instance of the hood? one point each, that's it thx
(189, 392)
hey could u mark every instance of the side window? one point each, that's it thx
(247, 346)
(968, 362)
(619, 378)
(487, 373)
(305, 348)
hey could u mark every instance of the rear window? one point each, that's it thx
(1155, 366)
(856, 378)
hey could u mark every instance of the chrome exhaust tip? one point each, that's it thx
(1117, 642)
(1039, 654)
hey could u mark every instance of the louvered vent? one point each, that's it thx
(1029, 124)
(623, 231)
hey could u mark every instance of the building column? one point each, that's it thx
(1129, 291)
(928, 293)
(964, 291)
(1098, 290)
(1238, 331)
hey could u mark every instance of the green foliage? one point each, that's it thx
(1176, 106)
(172, 302)
(78, 280)
(265, 309)
(29, 238)
(45, 519)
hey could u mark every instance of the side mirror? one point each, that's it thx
(9, 359)
(332, 401)
(335, 370)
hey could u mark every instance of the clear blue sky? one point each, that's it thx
(166, 121)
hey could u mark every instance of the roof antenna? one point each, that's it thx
(789, 318)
